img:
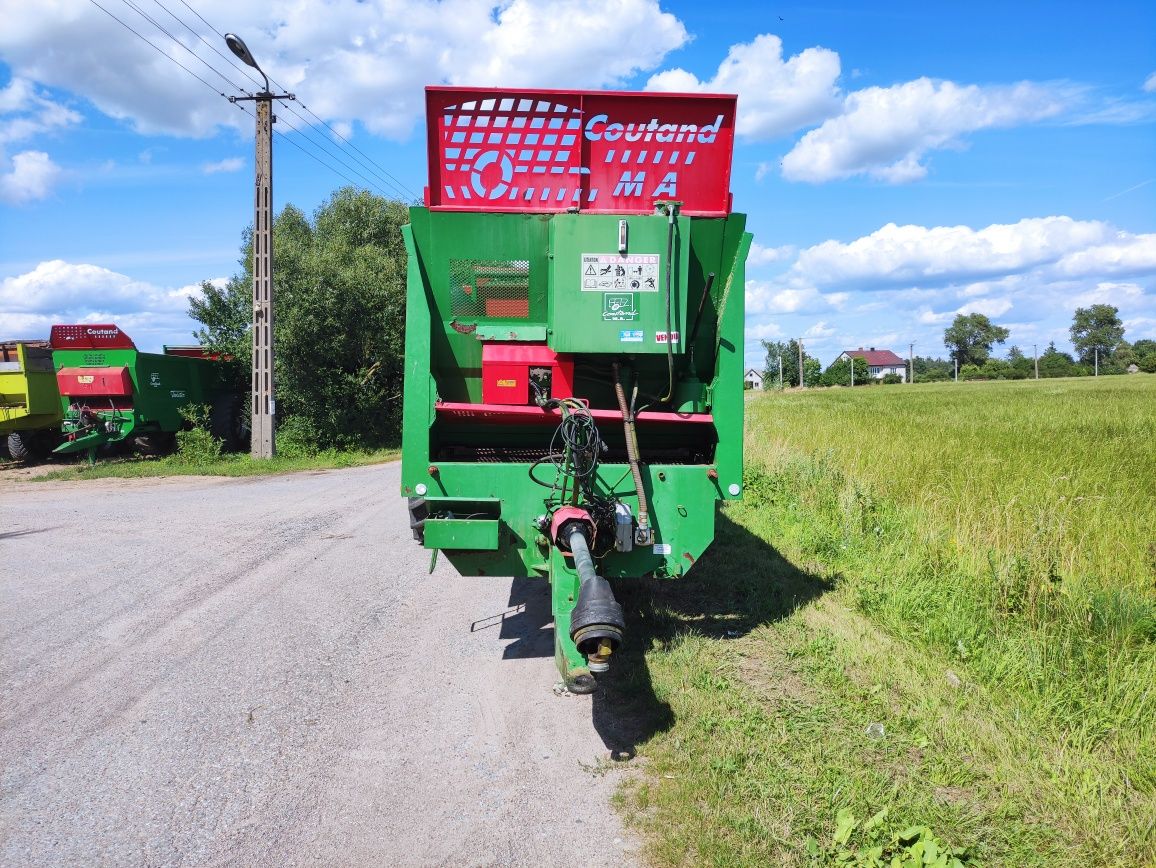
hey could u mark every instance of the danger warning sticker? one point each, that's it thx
(612, 272)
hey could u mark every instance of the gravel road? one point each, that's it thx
(206, 671)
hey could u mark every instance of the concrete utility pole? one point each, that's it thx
(802, 380)
(852, 358)
(263, 442)
(1036, 357)
(911, 359)
(780, 372)
(957, 369)
(1097, 361)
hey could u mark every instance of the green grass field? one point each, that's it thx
(971, 567)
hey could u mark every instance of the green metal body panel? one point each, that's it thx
(29, 399)
(162, 385)
(477, 534)
(608, 302)
(455, 461)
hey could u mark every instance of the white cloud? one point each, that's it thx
(31, 176)
(761, 255)
(763, 331)
(229, 164)
(886, 132)
(359, 61)
(820, 330)
(776, 96)
(25, 113)
(894, 256)
(1150, 83)
(65, 292)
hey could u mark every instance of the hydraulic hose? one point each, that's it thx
(643, 535)
(669, 269)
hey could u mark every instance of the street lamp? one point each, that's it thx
(264, 408)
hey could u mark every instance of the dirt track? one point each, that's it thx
(261, 672)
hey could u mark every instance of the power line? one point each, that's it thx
(159, 27)
(232, 84)
(156, 48)
(241, 69)
(372, 165)
(331, 154)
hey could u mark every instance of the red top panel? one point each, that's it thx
(89, 337)
(605, 152)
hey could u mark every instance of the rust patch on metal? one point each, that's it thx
(463, 328)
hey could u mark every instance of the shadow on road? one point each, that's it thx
(741, 583)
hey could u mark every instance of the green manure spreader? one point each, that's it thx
(108, 393)
(574, 346)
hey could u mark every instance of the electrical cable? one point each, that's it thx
(169, 57)
(390, 181)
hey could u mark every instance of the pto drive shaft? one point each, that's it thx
(597, 623)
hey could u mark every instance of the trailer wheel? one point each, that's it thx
(30, 446)
(227, 421)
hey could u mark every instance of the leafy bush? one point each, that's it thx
(891, 379)
(867, 845)
(195, 444)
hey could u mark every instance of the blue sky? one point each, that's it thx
(899, 162)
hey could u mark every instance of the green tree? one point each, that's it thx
(1053, 363)
(775, 349)
(838, 373)
(790, 354)
(339, 285)
(1096, 328)
(970, 338)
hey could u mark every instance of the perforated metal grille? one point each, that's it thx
(490, 288)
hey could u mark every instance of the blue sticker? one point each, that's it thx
(631, 336)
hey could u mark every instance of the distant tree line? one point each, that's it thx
(1097, 333)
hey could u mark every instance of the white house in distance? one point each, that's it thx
(754, 379)
(879, 362)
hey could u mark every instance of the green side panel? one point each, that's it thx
(603, 301)
(461, 533)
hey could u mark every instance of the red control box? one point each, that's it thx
(508, 368)
(94, 381)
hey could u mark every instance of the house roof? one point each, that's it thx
(875, 357)
(753, 371)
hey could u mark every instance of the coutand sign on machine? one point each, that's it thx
(600, 151)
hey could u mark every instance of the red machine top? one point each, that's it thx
(604, 152)
(89, 337)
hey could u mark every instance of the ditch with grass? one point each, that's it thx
(928, 633)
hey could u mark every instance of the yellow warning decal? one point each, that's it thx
(86, 379)
(507, 384)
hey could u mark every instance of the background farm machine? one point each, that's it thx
(574, 379)
(91, 387)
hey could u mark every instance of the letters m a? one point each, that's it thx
(630, 185)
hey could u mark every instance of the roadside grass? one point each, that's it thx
(223, 465)
(922, 586)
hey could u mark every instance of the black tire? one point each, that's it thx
(158, 443)
(227, 421)
(31, 447)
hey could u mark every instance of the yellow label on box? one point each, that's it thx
(507, 384)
